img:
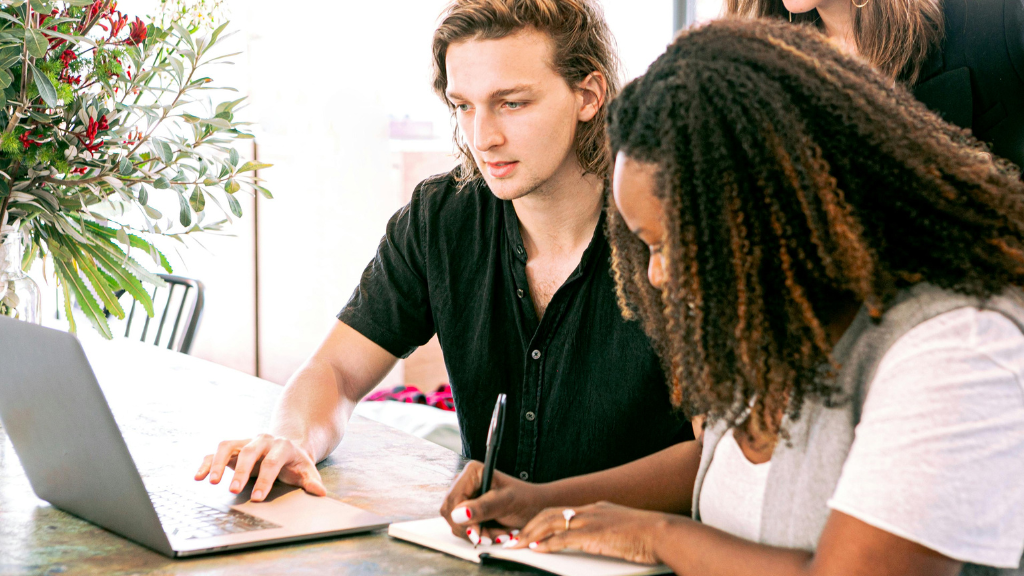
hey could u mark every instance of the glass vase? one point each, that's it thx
(19, 294)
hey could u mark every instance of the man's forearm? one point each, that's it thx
(662, 481)
(314, 409)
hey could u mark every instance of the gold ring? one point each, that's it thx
(568, 513)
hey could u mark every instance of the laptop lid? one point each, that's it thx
(65, 436)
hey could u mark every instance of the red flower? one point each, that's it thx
(136, 33)
(26, 139)
(68, 56)
(117, 22)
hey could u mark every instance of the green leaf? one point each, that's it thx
(216, 33)
(5, 78)
(266, 193)
(122, 237)
(185, 214)
(152, 212)
(163, 149)
(36, 43)
(217, 123)
(229, 106)
(231, 187)
(198, 200)
(125, 167)
(128, 273)
(9, 58)
(251, 166)
(178, 66)
(161, 183)
(184, 34)
(143, 195)
(99, 284)
(67, 306)
(124, 278)
(7, 16)
(235, 207)
(135, 242)
(70, 278)
(233, 157)
(46, 89)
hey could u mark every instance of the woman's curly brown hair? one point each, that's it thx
(793, 177)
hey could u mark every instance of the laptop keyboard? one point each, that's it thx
(186, 518)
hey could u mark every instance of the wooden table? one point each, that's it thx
(172, 409)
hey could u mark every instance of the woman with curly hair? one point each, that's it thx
(829, 273)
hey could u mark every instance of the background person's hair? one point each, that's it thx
(793, 177)
(894, 35)
(582, 42)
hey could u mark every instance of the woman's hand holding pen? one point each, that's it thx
(510, 502)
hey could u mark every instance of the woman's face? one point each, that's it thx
(633, 186)
(801, 6)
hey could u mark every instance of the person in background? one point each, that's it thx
(505, 259)
(831, 269)
(963, 58)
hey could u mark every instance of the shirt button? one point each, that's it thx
(535, 354)
(519, 249)
(519, 292)
(524, 476)
(531, 416)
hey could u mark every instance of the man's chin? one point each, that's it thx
(508, 189)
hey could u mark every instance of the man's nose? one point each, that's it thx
(486, 132)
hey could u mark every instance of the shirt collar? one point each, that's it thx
(515, 238)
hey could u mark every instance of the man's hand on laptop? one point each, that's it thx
(268, 458)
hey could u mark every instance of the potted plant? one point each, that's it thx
(100, 113)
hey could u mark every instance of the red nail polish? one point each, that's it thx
(469, 513)
(469, 531)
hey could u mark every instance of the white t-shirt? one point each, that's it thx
(938, 455)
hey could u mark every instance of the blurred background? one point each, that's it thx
(340, 96)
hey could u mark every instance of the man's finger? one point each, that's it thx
(313, 483)
(270, 467)
(204, 468)
(226, 451)
(247, 458)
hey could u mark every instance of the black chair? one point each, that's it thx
(189, 305)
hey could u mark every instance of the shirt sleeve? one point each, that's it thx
(938, 456)
(391, 305)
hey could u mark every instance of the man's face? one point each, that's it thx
(518, 115)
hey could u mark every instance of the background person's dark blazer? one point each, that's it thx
(976, 79)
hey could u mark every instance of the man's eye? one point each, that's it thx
(513, 105)
(462, 107)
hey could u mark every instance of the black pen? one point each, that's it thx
(493, 442)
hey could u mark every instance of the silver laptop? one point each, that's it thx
(56, 416)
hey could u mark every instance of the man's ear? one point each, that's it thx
(591, 92)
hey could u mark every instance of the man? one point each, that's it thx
(505, 259)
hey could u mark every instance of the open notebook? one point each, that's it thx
(435, 533)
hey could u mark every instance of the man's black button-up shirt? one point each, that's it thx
(585, 389)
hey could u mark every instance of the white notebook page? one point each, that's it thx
(435, 533)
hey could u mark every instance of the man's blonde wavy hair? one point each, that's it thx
(583, 44)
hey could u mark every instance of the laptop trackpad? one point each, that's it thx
(293, 508)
